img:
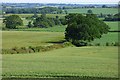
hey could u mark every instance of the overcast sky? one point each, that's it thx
(59, 1)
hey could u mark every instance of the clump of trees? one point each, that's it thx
(12, 21)
(83, 29)
(44, 22)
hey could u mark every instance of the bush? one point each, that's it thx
(112, 44)
(97, 44)
(107, 44)
(67, 44)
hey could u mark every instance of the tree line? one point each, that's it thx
(44, 10)
(13, 21)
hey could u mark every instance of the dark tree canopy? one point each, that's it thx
(13, 21)
(44, 22)
(89, 11)
(82, 29)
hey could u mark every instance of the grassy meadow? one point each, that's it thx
(93, 61)
(71, 61)
(113, 25)
(25, 38)
(41, 36)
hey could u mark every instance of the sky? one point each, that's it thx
(60, 1)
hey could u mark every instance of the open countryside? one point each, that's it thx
(56, 57)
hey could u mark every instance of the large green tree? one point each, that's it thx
(13, 21)
(83, 29)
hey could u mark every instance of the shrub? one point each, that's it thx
(112, 44)
(30, 50)
(14, 48)
(67, 44)
(107, 44)
(97, 44)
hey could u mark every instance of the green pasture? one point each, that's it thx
(111, 37)
(94, 61)
(70, 61)
(11, 39)
(39, 36)
(114, 26)
(95, 10)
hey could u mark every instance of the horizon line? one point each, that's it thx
(67, 3)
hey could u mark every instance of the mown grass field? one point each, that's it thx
(95, 10)
(71, 61)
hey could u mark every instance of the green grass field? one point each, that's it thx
(71, 61)
(94, 61)
(28, 38)
(111, 37)
(39, 36)
(113, 25)
(12, 39)
(95, 10)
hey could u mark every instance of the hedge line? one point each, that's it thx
(31, 49)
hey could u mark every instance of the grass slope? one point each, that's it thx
(71, 61)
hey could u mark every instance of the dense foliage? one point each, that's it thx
(82, 29)
(13, 21)
(44, 22)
